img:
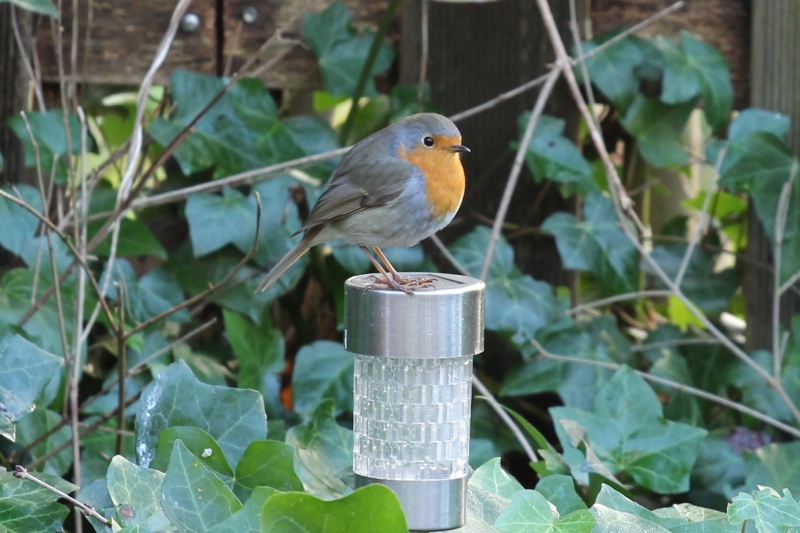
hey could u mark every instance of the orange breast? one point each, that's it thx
(444, 174)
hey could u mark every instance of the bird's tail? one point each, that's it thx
(290, 258)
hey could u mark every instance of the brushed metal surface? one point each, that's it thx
(443, 321)
(428, 505)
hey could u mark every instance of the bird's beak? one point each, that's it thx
(459, 148)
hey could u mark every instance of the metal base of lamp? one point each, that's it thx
(428, 505)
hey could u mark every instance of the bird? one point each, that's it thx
(394, 188)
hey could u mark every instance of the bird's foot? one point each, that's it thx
(399, 283)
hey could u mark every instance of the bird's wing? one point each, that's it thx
(356, 188)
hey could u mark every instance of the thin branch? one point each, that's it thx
(448, 255)
(677, 386)
(618, 298)
(587, 82)
(506, 418)
(674, 344)
(780, 227)
(701, 224)
(22, 473)
(122, 363)
(26, 60)
(513, 176)
(424, 53)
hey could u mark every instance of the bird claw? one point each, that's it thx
(406, 285)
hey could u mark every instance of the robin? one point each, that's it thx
(396, 187)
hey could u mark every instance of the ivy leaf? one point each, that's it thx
(530, 512)
(596, 244)
(135, 491)
(42, 422)
(198, 442)
(768, 510)
(323, 369)
(48, 130)
(553, 156)
(515, 303)
(45, 7)
(323, 449)
(576, 384)
(760, 166)
(697, 69)
(341, 52)
(658, 128)
(628, 433)
(776, 465)
(358, 512)
(25, 371)
(489, 491)
(259, 348)
(229, 215)
(711, 291)
(19, 225)
(194, 498)
(559, 490)
(26, 507)
(266, 463)
(612, 70)
(248, 519)
(753, 119)
(135, 239)
(233, 417)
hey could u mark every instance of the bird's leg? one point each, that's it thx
(388, 282)
(415, 282)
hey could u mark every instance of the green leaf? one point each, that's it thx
(576, 384)
(341, 52)
(198, 442)
(770, 511)
(40, 422)
(515, 303)
(322, 370)
(773, 465)
(597, 244)
(752, 120)
(135, 491)
(267, 463)
(26, 507)
(19, 225)
(629, 435)
(719, 467)
(615, 513)
(135, 239)
(323, 450)
(194, 498)
(697, 70)
(229, 215)
(233, 417)
(553, 156)
(44, 7)
(489, 492)
(48, 130)
(612, 70)
(530, 512)
(560, 491)
(708, 289)
(359, 512)
(248, 519)
(25, 370)
(658, 128)
(259, 349)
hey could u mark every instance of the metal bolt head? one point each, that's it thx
(190, 23)
(249, 15)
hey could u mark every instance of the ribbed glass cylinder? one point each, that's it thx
(411, 417)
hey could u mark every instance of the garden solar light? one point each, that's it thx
(413, 387)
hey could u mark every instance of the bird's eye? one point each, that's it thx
(428, 141)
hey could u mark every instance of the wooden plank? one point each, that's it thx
(775, 78)
(118, 40)
(298, 70)
(724, 24)
(13, 92)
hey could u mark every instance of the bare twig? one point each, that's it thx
(122, 364)
(505, 417)
(448, 255)
(701, 224)
(674, 344)
(424, 53)
(721, 400)
(587, 83)
(511, 184)
(618, 298)
(26, 60)
(780, 227)
(22, 473)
